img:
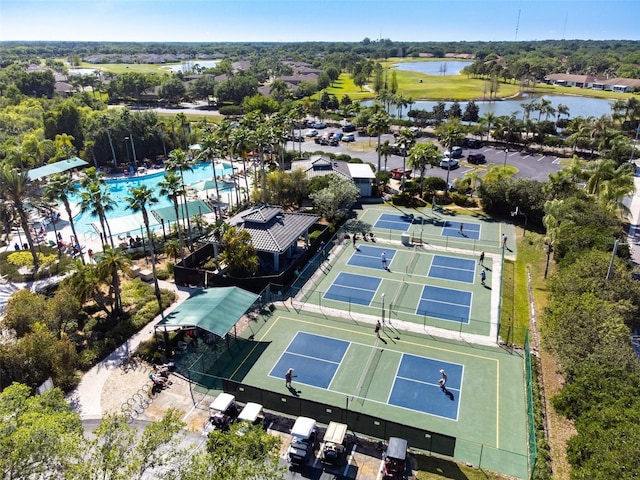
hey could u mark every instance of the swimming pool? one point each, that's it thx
(119, 190)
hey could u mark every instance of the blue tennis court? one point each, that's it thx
(353, 288)
(416, 386)
(390, 221)
(469, 230)
(370, 257)
(445, 303)
(315, 359)
(453, 268)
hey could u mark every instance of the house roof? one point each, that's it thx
(318, 166)
(271, 229)
(360, 170)
(566, 77)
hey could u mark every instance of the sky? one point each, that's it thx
(319, 20)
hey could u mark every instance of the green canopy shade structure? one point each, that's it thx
(215, 310)
(57, 167)
(168, 214)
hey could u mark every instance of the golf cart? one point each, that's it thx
(251, 414)
(333, 444)
(395, 458)
(303, 439)
(222, 412)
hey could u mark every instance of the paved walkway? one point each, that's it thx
(86, 398)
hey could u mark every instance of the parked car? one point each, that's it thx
(319, 125)
(456, 152)
(472, 143)
(476, 158)
(449, 163)
(297, 138)
(303, 439)
(349, 137)
(335, 139)
(416, 132)
(395, 458)
(349, 128)
(311, 133)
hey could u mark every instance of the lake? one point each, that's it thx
(444, 67)
(188, 66)
(578, 106)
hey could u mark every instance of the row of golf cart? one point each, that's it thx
(224, 411)
(335, 444)
(333, 448)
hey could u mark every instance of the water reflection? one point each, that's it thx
(578, 106)
(445, 67)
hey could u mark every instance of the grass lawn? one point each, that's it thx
(344, 86)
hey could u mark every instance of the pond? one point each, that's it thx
(578, 106)
(444, 67)
(189, 65)
(82, 71)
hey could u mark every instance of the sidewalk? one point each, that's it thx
(86, 398)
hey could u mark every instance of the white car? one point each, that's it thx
(311, 133)
(449, 163)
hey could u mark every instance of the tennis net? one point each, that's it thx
(362, 388)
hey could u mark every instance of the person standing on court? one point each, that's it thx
(461, 227)
(287, 378)
(383, 257)
(481, 261)
(377, 329)
(443, 380)
(483, 276)
(504, 241)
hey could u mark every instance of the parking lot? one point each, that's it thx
(533, 166)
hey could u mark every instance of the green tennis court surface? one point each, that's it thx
(344, 371)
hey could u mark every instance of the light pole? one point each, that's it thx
(635, 142)
(382, 308)
(506, 152)
(126, 147)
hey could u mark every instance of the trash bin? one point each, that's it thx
(405, 238)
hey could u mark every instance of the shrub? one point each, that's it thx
(463, 200)
(314, 235)
(23, 258)
(231, 110)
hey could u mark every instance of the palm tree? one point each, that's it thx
(96, 200)
(423, 155)
(140, 198)
(598, 172)
(407, 140)
(16, 187)
(487, 121)
(211, 149)
(172, 187)
(386, 150)
(60, 188)
(178, 161)
(112, 262)
(562, 109)
(279, 90)
(379, 124)
(451, 134)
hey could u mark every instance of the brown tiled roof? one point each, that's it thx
(271, 229)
